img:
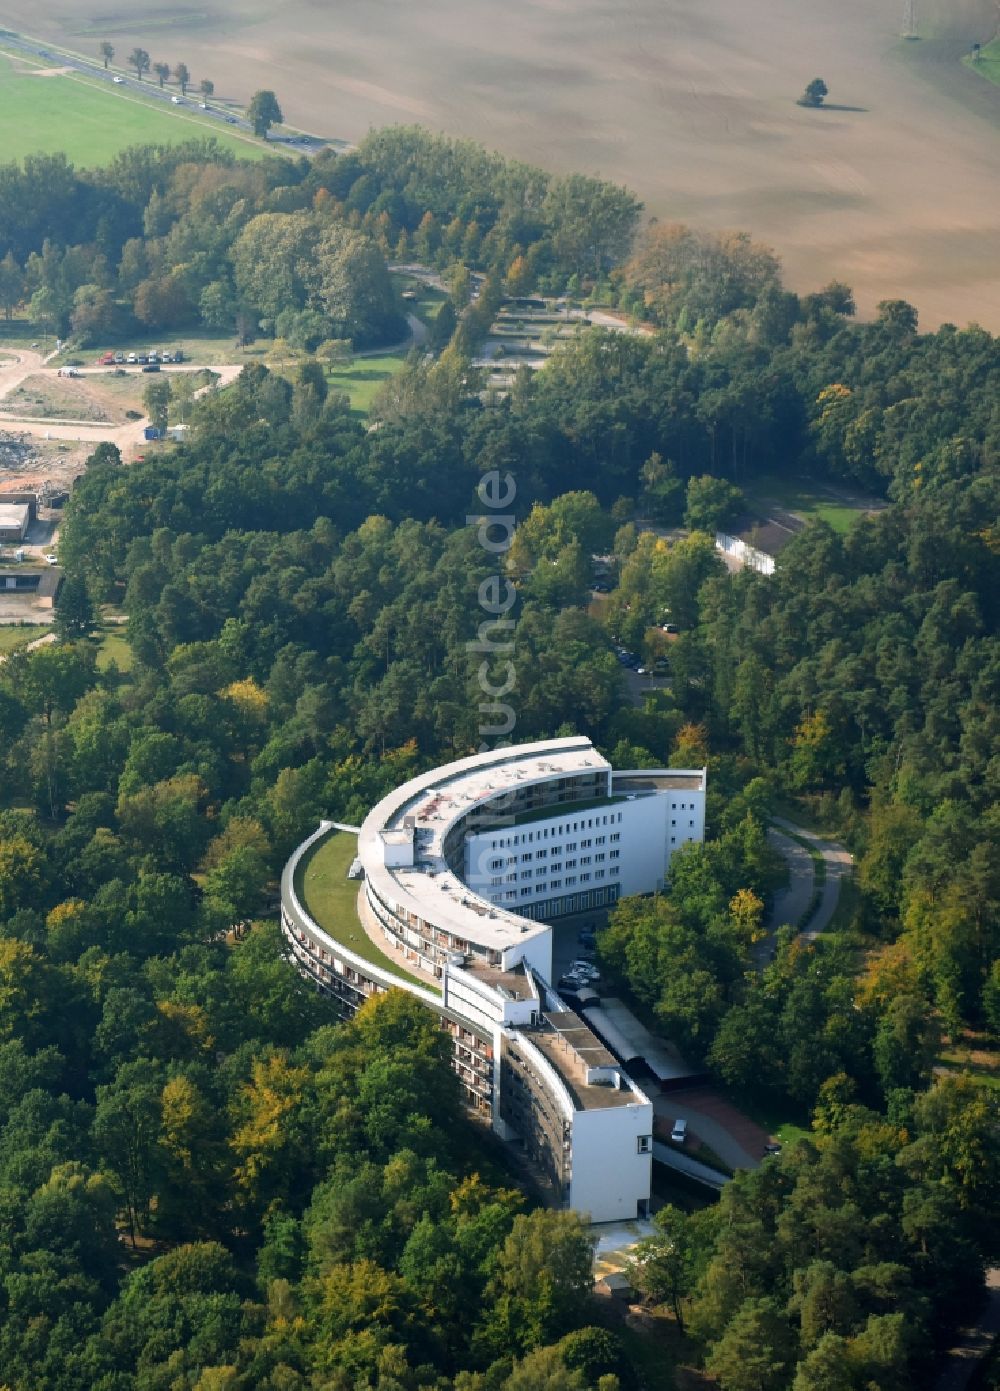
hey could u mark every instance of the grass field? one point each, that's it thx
(363, 378)
(114, 651)
(331, 898)
(428, 299)
(810, 501)
(13, 635)
(89, 121)
(988, 63)
(981, 1059)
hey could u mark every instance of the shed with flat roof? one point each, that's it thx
(15, 518)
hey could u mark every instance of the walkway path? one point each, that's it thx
(791, 904)
(839, 866)
(692, 1168)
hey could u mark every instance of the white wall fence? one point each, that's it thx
(749, 556)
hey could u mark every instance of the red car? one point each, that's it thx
(108, 360)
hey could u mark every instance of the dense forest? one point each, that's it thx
(206, 1182)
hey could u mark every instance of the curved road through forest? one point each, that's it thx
(792, 903)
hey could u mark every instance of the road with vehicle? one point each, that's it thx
(302, 143)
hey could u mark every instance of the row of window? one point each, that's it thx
(545, 832)
(532, 891)
(569, 849)
(555, 867)
(547, 908)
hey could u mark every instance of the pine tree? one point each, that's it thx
(74, 613)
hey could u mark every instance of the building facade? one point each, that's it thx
(462, 872)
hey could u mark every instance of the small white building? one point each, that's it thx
(15, 518)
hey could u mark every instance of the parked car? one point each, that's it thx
(132, 358)
(176, 101)
(51, 559)
(151, 367)
(679, 1132)
(118, 81)
(119, 357)
(106, 360)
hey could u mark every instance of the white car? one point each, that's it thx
(118, 81)
(51, 559)
(679, 1132)
(177, 101)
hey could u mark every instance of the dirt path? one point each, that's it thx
(12, 374)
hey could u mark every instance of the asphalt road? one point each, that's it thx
(839, 865)
(294, 144)
(792, 902)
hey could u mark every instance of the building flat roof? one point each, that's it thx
(14, 514)
(571, 1048)
(660, 780)
(435, 801)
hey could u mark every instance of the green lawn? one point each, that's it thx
(979, 1056)
(809, 500)
(363, 378)
(428, 299)
(988, 65)
(114, 651)
(90, 121)
(775, 1122)
(330, 898)
(15, 635)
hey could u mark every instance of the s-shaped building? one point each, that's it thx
(461, 871)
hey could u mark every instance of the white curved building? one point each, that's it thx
(463, 871)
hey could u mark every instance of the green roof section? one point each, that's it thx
(331, 899)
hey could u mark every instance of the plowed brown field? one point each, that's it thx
(690, 102)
